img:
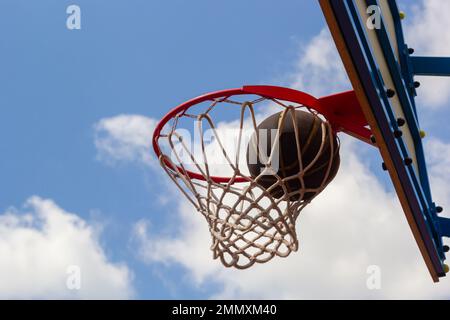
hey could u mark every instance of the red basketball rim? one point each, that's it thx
(269, 92)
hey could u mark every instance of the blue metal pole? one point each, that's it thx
(444, 226)
(431, 66)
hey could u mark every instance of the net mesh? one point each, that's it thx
(247, 223)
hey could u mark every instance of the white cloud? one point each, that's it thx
(37, 248)
(438, 157)
(426, 32)
(354, 224)
(319, 70)
(425, 26)
(125, 138)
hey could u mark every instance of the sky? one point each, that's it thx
(82, 193)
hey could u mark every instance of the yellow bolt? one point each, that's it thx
(423, 134)
(402, 15)
(446, 268)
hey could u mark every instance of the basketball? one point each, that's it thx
(317, 146)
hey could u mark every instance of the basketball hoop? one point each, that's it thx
(251, 216)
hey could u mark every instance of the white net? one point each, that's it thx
(249, 222)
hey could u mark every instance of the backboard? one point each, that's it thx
(381, 67)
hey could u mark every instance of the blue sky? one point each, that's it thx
(137, 58)
(140, 57)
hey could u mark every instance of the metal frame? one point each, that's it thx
(342, 110)
(412, 187)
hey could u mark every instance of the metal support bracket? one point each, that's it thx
(431, 66)
(444, 226)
